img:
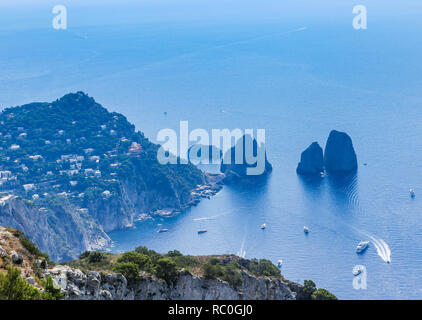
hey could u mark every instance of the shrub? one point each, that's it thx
(130, 270)
(309, 287)
(212, 271)
(96, 256)
(84, 255)
(154, 256)
(166, 269)
(174, 254)
(232, 276)
(51, 292)
(264, 268)
(141, 260)
(322, 294)
(32, 248)
(14, 287)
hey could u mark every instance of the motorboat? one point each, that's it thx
(306, 229)
(279, 263)
(202, 231)
(163, 230)
(358, 270)
(412, 193)
(362, 246)
(263, 226)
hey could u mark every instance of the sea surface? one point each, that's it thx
(298, 73)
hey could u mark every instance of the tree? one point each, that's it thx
(13, 287)
(141, 260)
(128, 269)
(96, 256)
(322, 294)
(51, 291)
(309, 287)
(166, 269)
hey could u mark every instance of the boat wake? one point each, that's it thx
(242, 252)
(209, 218)
(382, 247)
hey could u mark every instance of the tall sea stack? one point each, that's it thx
(311, 161)
(339, 155)
(234, 171)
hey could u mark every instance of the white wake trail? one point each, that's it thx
(382, 247)
(242, 252)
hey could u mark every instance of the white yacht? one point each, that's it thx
(306, 229)
(412, 193)
(263, 226)
(362, 246)
(358, 270)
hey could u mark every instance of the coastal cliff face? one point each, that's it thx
(142, 274)
(70, 171)
(77, 285)
(60, 231)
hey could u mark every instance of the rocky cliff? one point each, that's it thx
(77, 285)
(142, 274)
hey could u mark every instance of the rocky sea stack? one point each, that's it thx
(311, 161)
(339, 155)
(242, 172)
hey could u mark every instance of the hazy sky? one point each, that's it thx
(38, 13)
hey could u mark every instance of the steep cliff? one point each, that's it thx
(78, 285)
(142, 274)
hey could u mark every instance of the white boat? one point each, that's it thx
(279, 263)
(362, 246)
(412, 193)
(263, 226)
(358, 270)
(306, 229)
(162, 230)
(202, 231)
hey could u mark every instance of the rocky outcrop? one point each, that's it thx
(311, 161)
(339, 155)
(77, 285)
(69, 235)
(245, 168)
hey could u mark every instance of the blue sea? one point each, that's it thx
(297, 70)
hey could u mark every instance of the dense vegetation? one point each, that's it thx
(168, 266)
(13, 287)
(317, 294)
(74, 145)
